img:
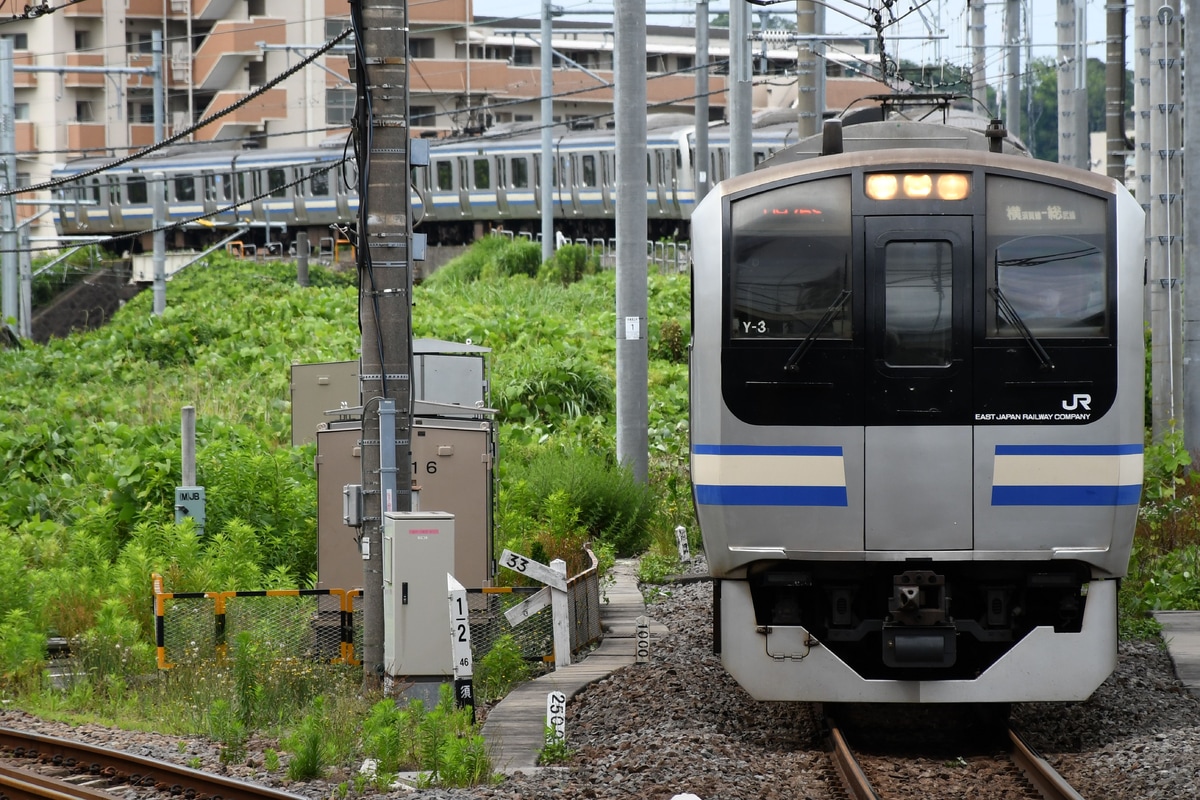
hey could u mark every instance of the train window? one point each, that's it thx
(520, 173)
(589, 170)
(318, 182)
(790, 257)
(185, 188)
(483, 173)
(114, 190)
(501, 177)
(135, 189)
(1046, 260)
(210, 187)
(277, 181)
(918, 290)
(96, 191)
(445, 176)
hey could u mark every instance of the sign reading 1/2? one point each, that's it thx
(539, 572)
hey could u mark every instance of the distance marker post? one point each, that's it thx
(460, 638)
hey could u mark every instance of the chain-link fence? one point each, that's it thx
(326, 624)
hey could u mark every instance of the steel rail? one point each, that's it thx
(853, 778)
(1039, 772)
(128, 767)
(23, 784)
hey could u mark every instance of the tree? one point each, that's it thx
(1039, 120)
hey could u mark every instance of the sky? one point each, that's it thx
(848, 17)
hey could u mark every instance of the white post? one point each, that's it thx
(562, 618)
(643, 639)
(556, 715)
(460, 643)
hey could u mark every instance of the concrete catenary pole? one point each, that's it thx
(1141, 105)
(703, 176)
(1191, 245)
(808, 68)
(1114, 90)
(741, 90)
(385, 295)
(1068, 145)
(632, 347)
(547, 186)
(1012, 44)
(9, 285)
(978, 27)
(1166, 221)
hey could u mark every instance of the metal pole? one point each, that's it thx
(548, 134)
(25, 272)
(1065, 26)
(808, 120)
(1114, 90)
(978, 27)
(302, 258)
(632, 348)
(187, 431)
(158, 186)
(1166, 373)
(741, 97)
(385, 295)
(156, 45)
(703, 178)
(1083, 143)
(1191, 245)
(10, 310)
(1141, 104)
(1012, 41)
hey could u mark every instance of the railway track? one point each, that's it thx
(89, 772)
(1024, 774)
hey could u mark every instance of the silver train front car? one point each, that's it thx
(917, 422)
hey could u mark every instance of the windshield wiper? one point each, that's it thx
(821, 325)
(1014, 319)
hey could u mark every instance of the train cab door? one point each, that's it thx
(300, 190)
(608, 173)
(918, 460)
(115, 215)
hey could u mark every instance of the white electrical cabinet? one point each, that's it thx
(418, 553)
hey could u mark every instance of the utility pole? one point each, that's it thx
(8, 205)
(741, 90)
(1070, 149)
(1141, 106)
(629, 68)
(1012, 43)
(1166, 221)
(1114, 90)
(1191, 247)
(978, 26)
(810, 71)
(547, 186)
(385, 294)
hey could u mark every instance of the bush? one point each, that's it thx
(570, 263)
(500, 670)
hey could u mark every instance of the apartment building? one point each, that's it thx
(468, 75)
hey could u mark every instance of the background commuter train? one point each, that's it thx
(916, 418)
(469, 186)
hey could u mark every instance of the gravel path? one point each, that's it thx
(680, 724)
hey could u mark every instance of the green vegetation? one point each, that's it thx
(89, 435)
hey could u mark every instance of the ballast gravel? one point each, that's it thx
(680, 725)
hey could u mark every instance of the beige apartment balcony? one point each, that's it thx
(89, 8)
(143, 135)
(272, 104)
(80, 80)
(451, 11)
(24, 80)
(226, 49)
(26, 136)
(85, 136)
(142, 61)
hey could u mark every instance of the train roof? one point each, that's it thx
(211, 159)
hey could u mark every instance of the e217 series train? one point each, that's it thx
(916, 418)
(470, 185)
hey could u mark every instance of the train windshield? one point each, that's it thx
(790, 258)
(1047, 257)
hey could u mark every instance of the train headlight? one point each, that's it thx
(882, 187)
(953, 186)
(918, 186)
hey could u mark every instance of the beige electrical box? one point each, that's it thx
(453, 452)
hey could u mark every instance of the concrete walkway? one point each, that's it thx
(515, 730)
(1181, 632)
